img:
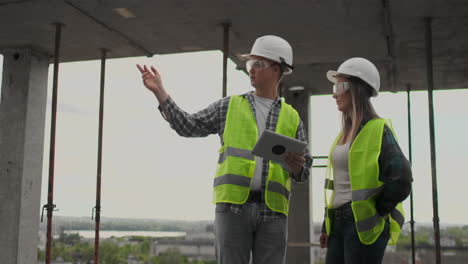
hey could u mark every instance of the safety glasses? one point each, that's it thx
(257, 65)
(341, 87)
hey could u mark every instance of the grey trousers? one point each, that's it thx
(243, 238)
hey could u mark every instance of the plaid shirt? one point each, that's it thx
(212, 120)
(395, 172)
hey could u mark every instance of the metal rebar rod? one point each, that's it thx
(410, 150)
(430, 88)
(320, 157)
(50, 194)
(319, 166)
(226, 27)
(99, 158)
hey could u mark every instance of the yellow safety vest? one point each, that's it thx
(236, 164)
(364, 168)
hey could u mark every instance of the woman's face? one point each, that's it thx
(342, 95)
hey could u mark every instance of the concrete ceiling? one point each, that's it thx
(323, 33)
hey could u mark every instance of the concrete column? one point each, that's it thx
(22, 121)
(299, 216)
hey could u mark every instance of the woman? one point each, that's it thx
(367, 176)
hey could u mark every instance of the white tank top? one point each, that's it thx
(341, 183)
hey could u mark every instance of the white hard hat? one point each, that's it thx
(360, 68)
(273, 48)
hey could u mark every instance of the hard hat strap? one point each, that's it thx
(283, 62)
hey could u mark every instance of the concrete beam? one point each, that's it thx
(299, 215)
(22, 121)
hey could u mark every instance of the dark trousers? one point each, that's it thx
(344, 246)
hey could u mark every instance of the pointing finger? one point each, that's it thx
(140, 68)
(154, 70)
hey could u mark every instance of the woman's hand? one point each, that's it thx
(323, 240)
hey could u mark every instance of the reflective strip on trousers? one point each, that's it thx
(235, 152)
(398, 217)
(368, 223)
(364, 194)
(232, 179)
(278, 188)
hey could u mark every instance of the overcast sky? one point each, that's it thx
(151, 172)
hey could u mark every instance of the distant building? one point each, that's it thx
(57, 261)
(464, 242)
(444, 241)
(200, 236)
(126, 241)
(197, 249)
(132, 260)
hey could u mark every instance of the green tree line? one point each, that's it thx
(424, 236)
(71, 248)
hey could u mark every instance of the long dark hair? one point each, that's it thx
(361, 93)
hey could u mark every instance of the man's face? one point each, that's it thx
(261, 71)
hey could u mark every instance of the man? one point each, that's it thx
(251, 194)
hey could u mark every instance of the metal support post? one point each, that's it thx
(50, 194)
(97, 208)
(430, 88)
(226, 27)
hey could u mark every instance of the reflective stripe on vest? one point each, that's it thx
(329, 184)
(235, 152)
(364, 194)
(398, 217)
(236, 164)
(232, 179)
(365, 185)
(278, 188)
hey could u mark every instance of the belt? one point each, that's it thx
(342, 211)
(254, 197)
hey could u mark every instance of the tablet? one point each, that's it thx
(272, 145)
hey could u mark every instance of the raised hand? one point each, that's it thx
(152, 81)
